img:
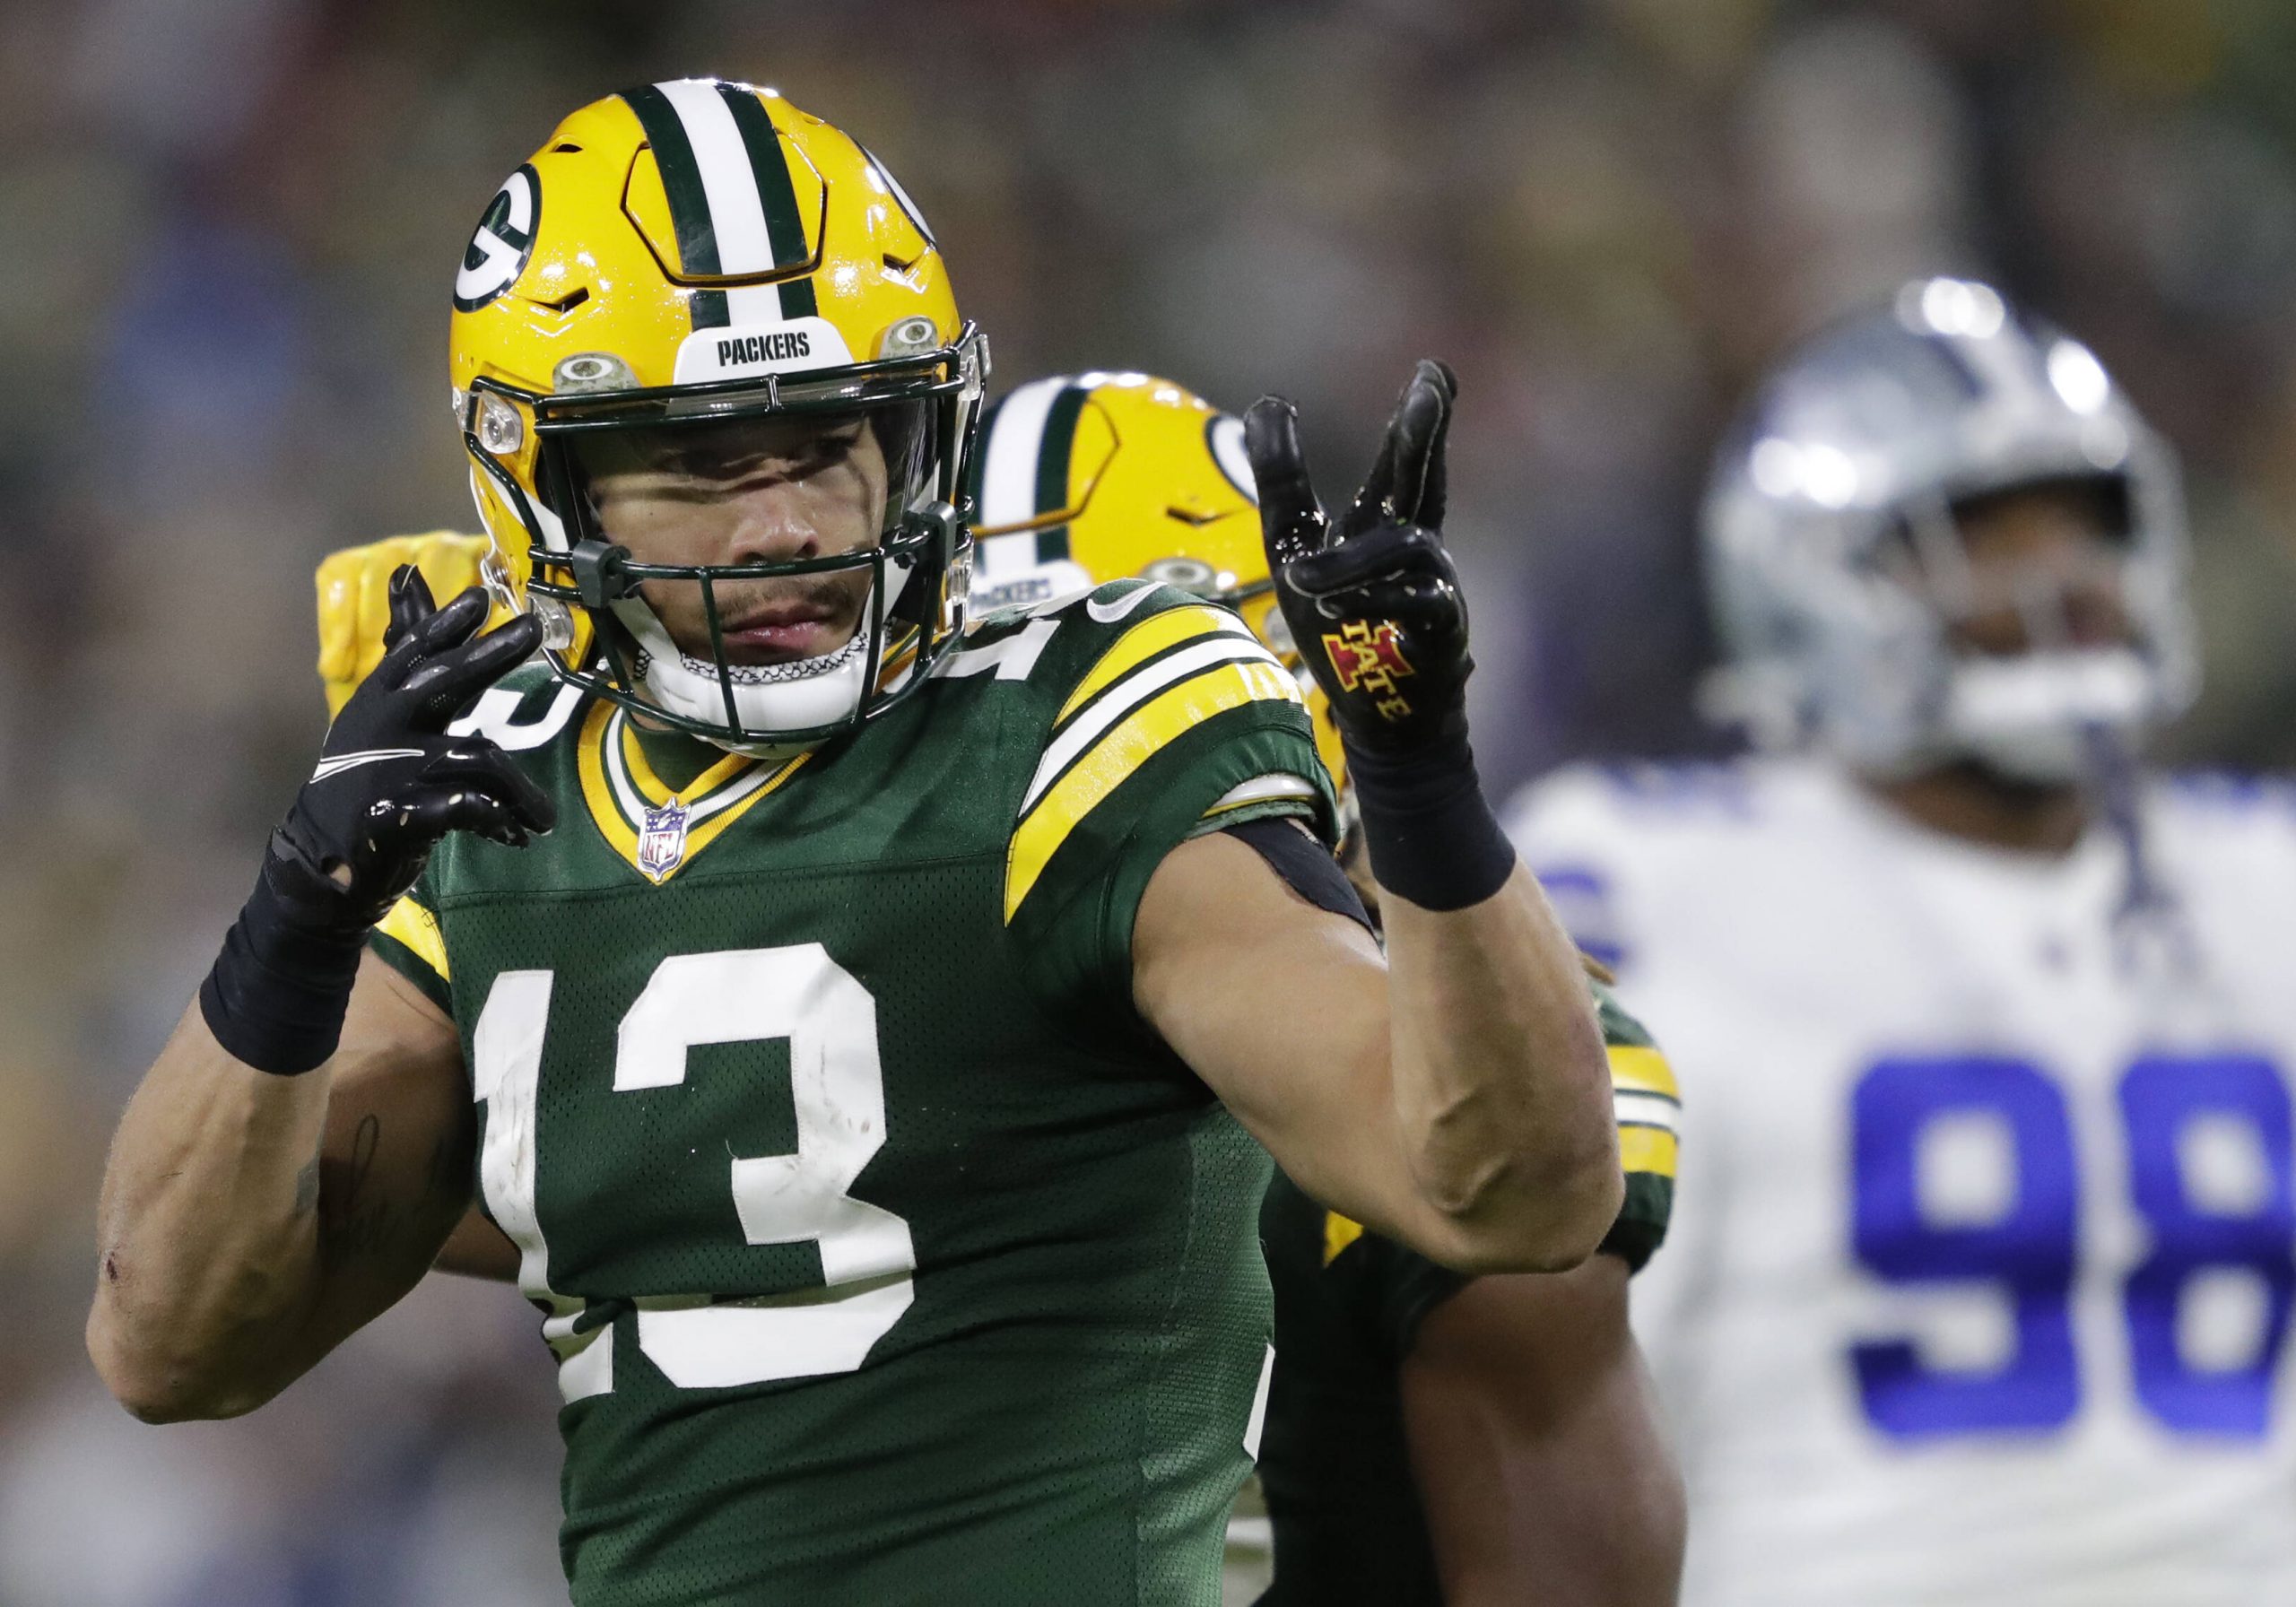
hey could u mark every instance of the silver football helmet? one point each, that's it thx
(1850, 462)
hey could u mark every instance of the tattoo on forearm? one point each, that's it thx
(356, 1218)
(307, 1188)
(349, 1225)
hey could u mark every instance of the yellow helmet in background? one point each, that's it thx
(354, 586)
(1087, 478)
(677, 257)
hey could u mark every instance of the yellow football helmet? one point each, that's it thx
(355, 605)
(1085, 478)
(686, 254)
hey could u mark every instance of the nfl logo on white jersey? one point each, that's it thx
(661, 844)
(1980, 1280)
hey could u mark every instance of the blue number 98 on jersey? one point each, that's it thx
(2033, 1250)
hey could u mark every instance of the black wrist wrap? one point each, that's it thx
(1433, 838)
(276, 995)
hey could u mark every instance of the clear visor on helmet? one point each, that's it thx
(699, 550)
(776, 525)
(758, 574)
(749, 490)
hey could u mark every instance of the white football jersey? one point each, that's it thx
(1979, 1284)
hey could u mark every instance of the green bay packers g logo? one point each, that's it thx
(505, 239)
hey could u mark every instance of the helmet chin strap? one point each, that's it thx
(2027, 717)
(2071, 718)
(2070, 726)
(791, 696)
(2150, 936)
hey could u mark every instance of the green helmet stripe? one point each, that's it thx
(1052, 469)
(770, 162)
(689, 202)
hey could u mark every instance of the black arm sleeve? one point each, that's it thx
(1306, 866)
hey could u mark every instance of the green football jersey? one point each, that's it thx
(887, 1255)
(1334, 1461)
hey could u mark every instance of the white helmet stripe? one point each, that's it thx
(1008, 476)
(728, 182)
(734, 193)
(998, 559)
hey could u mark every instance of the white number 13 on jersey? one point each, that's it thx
(837, 1083)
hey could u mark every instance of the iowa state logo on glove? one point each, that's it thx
(1370, 657)
(1374, 585)
(1376, 588)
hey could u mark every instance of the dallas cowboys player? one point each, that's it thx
(1982, 1289)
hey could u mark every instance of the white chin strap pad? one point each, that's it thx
(2026, 717)
(798, 695)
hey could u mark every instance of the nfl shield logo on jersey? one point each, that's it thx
(661, 846)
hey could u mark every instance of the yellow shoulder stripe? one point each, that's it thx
(417, 929)
(1339, 1232)
(1142, 642)
(1147, 731)
(1646, 1150)
(1642, 1069)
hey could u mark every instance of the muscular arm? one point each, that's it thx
(250, 1223)
(1535, 1446)
(1453, 1095)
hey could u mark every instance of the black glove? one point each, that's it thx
(389, 784)
(1371, 597)
(1374, 603)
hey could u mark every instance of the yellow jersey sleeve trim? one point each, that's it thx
(1643, 1070)
(1339, 1232)
(1110, 761)
(1650, 1150)
(416, 930)
(1142, 643)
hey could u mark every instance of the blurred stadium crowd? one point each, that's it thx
(226, 232)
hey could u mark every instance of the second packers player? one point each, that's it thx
(1429, 1437)
(867, 1065)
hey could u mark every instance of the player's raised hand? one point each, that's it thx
(1375, 605)
(1370, 596)
(390, 782)
(355, 597)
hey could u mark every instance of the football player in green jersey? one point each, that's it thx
(1433, 1439)
(867, 1066)
(1429, 1437)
